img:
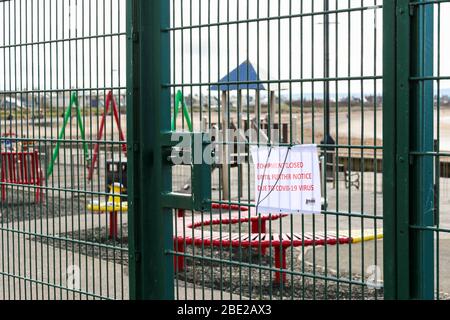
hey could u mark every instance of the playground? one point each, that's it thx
(79, 172)
(110, 229)
(317, 262)
(244, 150)
(227, 237)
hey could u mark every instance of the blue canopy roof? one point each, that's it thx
(244, 73)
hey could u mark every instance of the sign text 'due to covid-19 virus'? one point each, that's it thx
(287, 180)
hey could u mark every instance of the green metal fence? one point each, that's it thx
(62, 67)
(89, 212)
(322, 85)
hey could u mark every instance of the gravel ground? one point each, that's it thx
(231, 279)
(94, 237)
(258, 284)
(21, 206)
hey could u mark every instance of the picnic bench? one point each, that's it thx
(21, 169)
(196, 231)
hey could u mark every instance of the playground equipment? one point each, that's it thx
(21, 168)
(109, 100)
(180, 103)
(113, 206)
(244, 77)
(67, 115)
(198, 232)
(20, 165)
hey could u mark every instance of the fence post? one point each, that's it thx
(408, 137)
(396, 70)
(422, 144)
(148, 114)
(389, 150)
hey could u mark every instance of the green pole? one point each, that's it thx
(80, 124)
(61, 136)
(148, 117)
(408, 128)
(179, 101)
(422, 141)
(175, 113)
(395, 146)
(73, 101)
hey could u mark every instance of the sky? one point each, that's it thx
(287, 48)
(283, 48)
(52, 64)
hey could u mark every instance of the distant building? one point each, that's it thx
(91, 100)
(98, 99)
(29, 101)
(2, 98)
(61, 100)
(8, 102)
(56, 100)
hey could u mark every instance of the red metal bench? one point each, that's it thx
(188, 233)
(21, 168)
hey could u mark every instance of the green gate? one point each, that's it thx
(62, 67)
(416, 160)
(294, 72)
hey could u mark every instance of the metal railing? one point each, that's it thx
(365, 81)
(322, 86)
(59, 60)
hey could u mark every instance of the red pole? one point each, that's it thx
(3, 176)
(255, 226)
(181, 213)
(116, 116)
(255, 229)
(109, 99)
(278, 276)
(178, 261)
(113, 225)
(23, 162)
(99, 136)
(37, 178)
(12, 163)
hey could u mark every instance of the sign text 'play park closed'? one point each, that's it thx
(287, 180)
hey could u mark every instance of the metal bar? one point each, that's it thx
(395, 168)
(151, 275)
(422, 140)
(402, 146)
(268, 82)
(281, 17)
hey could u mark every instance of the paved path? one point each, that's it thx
(360, 259)
(34, 264)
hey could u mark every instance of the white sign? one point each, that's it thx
(287, 180)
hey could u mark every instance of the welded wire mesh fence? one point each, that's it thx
(61, 62)
(76, 75)
(296, 72)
